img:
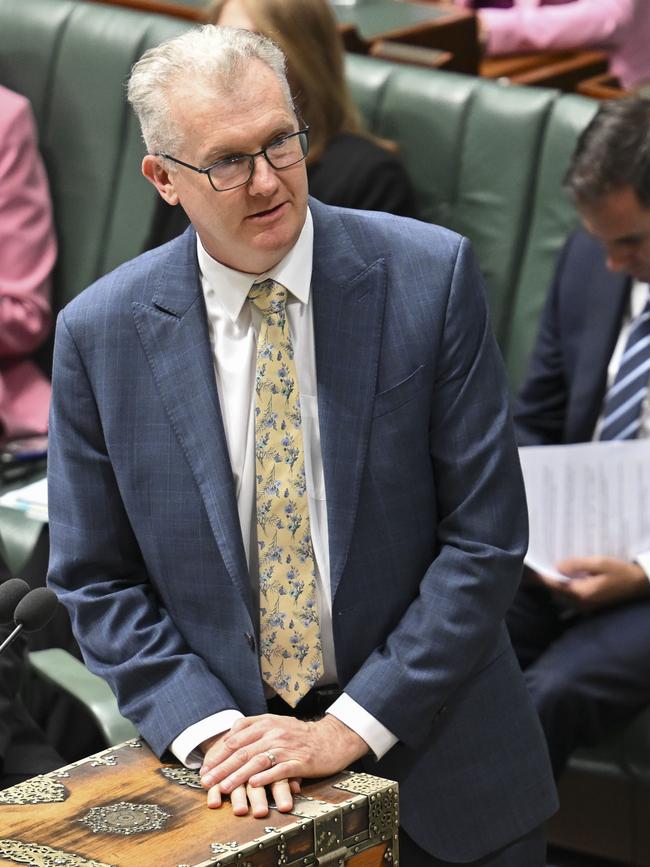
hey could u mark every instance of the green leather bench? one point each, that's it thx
(485, 160)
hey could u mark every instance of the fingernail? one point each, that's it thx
(226, 786)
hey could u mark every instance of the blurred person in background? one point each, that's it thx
(28, 253)
(27, 256)
(24, 749)
(345, 166)
(619, 27)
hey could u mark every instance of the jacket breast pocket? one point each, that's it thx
(397, 395)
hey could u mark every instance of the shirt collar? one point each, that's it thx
(232, 287)
(639, 294)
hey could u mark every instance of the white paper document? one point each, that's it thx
(592, 498)
(31, 499)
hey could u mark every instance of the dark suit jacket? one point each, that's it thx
(426, 515)
(564, 388)
(24, 750)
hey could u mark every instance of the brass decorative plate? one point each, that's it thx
(125, 818)
(182, 777)
(39, 790)
(36, 855)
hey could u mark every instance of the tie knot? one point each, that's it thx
(269, 297)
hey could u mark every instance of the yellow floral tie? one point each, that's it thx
(290, 649)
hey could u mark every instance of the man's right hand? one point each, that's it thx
(597, 582)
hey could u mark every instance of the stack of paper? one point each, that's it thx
(587, 499)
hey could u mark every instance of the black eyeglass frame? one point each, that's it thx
(304, 143)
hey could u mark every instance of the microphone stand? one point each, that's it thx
(11, 637)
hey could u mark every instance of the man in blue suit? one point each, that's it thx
(413, 493)
(585, 644)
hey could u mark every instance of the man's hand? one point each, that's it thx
(266, 750)
(598, 581)
(242, 796)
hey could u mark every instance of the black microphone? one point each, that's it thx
(11, 592)
(36, 609)
(33, 611)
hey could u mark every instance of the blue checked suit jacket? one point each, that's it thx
(426, 512)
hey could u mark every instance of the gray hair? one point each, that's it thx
(209, 56)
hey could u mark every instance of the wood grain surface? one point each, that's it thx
(170, 823)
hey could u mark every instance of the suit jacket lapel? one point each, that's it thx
(349, 295)
(174, 334)
(607, 297)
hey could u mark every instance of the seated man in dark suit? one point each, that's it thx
(585, 644)
(24, 751)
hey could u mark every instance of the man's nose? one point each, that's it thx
(264, 180)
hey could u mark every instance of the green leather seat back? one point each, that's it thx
(72, 60)
(487, 161)
(550, 222)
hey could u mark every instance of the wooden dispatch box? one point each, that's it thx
(124, 808)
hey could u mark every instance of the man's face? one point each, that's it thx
(250, 228)
(622, 223)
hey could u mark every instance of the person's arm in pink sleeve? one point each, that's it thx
(27, 241)
(577, 24)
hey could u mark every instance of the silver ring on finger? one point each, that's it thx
(272, 759)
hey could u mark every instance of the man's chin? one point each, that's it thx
(274, 244)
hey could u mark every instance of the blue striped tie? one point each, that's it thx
(624, 400)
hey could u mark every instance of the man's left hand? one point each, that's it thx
(599, 581)
(260, 750)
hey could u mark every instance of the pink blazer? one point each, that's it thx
(27, 255)
(620, 27)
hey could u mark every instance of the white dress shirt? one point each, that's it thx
(234, 325)
(638, 299)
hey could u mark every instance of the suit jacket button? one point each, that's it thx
(250, 638)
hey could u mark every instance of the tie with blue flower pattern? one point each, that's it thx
(290, 648)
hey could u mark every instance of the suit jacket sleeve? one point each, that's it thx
(97, 570)
(563, 26)
(453, 626)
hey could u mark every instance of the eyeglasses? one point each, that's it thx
(237, 170)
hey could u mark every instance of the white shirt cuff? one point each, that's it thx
(355, 717)
(187, 746)
(644, 562)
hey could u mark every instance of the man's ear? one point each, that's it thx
(156, 173)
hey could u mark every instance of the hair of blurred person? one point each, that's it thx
(306, 32)
(613, 152)
(211, 58)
